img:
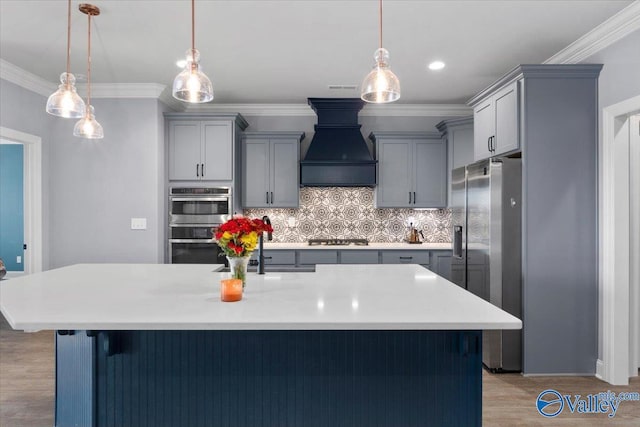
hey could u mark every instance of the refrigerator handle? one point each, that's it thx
(457, 241)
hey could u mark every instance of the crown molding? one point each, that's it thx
(395, 110)
(610, 31)
(123, 90)
(16, 75)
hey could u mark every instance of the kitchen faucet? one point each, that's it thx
(267, 221)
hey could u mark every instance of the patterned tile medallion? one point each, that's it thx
(340, 212)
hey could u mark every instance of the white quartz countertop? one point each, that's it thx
(186, 296)
(371, 246)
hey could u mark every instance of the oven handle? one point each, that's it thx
(191, 241)
(199, 199)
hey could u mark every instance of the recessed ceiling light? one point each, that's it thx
(181, 63)
(436, 65)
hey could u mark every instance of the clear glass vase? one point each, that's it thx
(238, 267)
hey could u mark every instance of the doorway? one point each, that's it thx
(32, 196)
(619, 243)
(12, 206)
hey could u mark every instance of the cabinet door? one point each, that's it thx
(461, 141)
(430, 174)
(405, 257)
(321, 256)
(506, 111)
(255, 184)
(483, 127)
(394, 174)
(217, 154)
(285, 184)
(184, 150)
(442, 264)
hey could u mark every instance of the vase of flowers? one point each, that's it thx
(238, 238)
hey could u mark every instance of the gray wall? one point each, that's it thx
(98, 186)
(620, 77)
(619, 81)
(24, 111)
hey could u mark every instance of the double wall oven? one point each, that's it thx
(193, 212)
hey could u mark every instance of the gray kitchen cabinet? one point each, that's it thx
(441, 263)
(412, 170)
(202, 146)
(457, 135)
(319, 256)
(405, 257)
(200, 150)
(495, 123)
(277, 257)
(270, 169)
(359, 257)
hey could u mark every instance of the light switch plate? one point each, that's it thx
(18, 259)
(138, 223)
(291, 221)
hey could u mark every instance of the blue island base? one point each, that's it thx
(268, 378)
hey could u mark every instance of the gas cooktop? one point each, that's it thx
(338, 242)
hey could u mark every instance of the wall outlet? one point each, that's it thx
(291, 221)
(19, 259)
(138, 223)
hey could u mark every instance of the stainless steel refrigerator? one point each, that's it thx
(487, 249)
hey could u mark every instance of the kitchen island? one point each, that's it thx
(347, 345)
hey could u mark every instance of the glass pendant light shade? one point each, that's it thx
(88, 127)
(65, 102)
(381, 85)
(192, 85)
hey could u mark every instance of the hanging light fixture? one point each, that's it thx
(381, 85)
(65, 102)
(192, 85)
(88, 127)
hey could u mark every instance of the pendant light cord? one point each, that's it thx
(68, 43)
(193, 31)
(380, 24)
(89, 67)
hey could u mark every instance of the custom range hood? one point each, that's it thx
(338, 155)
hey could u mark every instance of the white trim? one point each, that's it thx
(610, 31)
(614, 238)
(634, 244)
(33, 196)
(16, 75)
(599, 369)
(123, 90)
(394, 110)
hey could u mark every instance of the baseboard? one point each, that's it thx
(600, 369)
(567, 374)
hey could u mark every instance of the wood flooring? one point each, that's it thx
(27, 390)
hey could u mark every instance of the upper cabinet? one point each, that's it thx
(495, 125)
(270, 169)
(201, 147)
(457, 134)
(412, 170)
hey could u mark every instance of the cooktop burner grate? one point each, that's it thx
(338, 242)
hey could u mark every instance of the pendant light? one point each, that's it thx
(88, 127)
(381, 85)
(65, 102)
(192, 85)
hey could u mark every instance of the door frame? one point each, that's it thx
(32, 196)
(614, 225)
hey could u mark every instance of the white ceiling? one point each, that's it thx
(286, 51)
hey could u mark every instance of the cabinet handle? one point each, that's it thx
(493, 147)
(489, 143)
(272, 197)
(197, 170)
(267, 193)
(202, 169)
(405, 257)
(268, 257)
(414, 197)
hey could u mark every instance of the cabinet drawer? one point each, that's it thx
(279, 257)
(318, 257)
(358, 257)
(405, 257)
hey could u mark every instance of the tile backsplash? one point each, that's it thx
(348, 212)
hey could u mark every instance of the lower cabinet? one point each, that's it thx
(308, 257)
(437, 261)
